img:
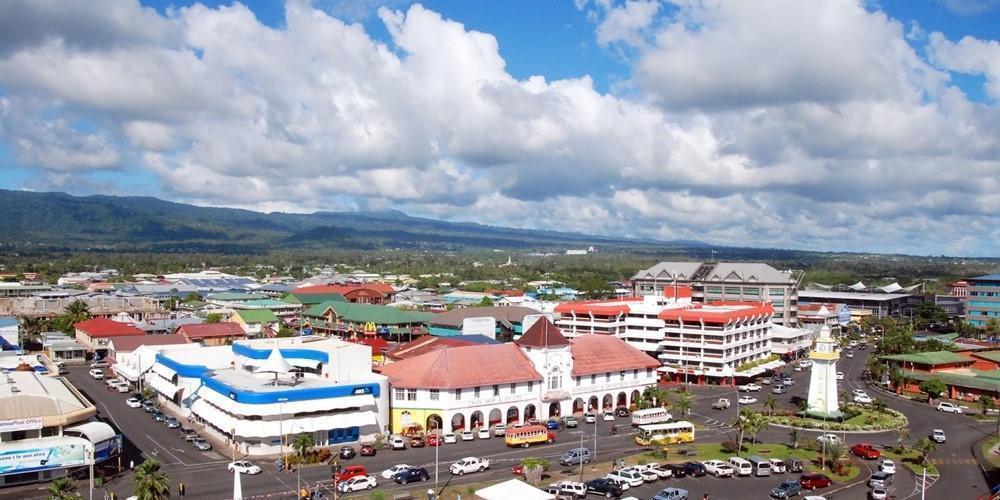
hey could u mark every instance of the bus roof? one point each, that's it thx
(527, 429)
(649, 411)
(671, 425)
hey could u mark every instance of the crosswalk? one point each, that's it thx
(953, 461)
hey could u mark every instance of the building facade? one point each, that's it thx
(726, 281)
(880, 304)
(984, 300)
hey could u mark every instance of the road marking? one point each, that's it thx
(158, 445)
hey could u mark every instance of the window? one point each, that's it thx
(622, 375)
(635, 373)
(649, 372)
(513, 388)
(578, 381)
(458, 394)
(411, 394)
(607, 377)
(475, 392)
(400, 394)
(593, 379)
(435, 394)
(555, 382)
(496, 390)
(531, 385)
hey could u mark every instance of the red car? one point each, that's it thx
(814, 481)
(351, 471)
(518, 470)
(367, 450)
(433, 440)
(866, 451)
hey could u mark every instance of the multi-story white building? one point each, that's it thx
(256, 391)
(543, 374)
(696, 342)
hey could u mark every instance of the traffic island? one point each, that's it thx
(857, 419)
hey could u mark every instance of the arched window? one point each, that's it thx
(555, 379)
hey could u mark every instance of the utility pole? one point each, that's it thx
(90, 463)
(581, 458)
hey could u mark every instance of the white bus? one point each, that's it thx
(651, 416)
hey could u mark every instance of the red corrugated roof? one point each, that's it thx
(677, 292)
(209, 330)
(104, 328)
(464, 366)
(740, 310)
(381, 288)
(597, 307)
(541, 334)
(378, 344)
(597, 353)
(425, 344)
(129, 344)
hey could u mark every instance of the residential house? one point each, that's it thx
(95, 334)
(359, 293)
(256, 322)
(126, 345)
(212, 334)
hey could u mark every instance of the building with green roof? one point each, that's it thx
(930, 361)
(312, 299)
(255, 321)
(339, 318)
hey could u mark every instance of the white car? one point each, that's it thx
(806, 363)
(718, 468)
(608, 416)
(748, 388)
(878, 494)
(450, 438)
(814, 497)
(661, 471)
(949, 407)
(469, 464)
(499, 430)
(863, 398)
(850, 354)
(133, 403)
(854, 343)
(122, 387)
(468, 436)
(887, 466)
(397, 443)
(484, 433)
(395, 469)
(766, 381)
(243, 467)
(647, 475)
(840, 375)
(938, 435)
(97, 373)
(828, 439)
(357, 483)
(570, 488)
(626, 476)
(746, 400)
(589, 418)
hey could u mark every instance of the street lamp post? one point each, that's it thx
(90, 463)
(436, 450)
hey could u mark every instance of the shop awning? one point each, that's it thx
(237, 408)
(95, 432)
(162, 386)
(164, 371)
(273, 428)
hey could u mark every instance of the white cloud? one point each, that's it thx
(846, 138)
(970, 55)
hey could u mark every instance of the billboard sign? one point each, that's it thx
(21, 424)
(43, 454)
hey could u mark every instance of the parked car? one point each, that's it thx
(418, 442)
(779, 389)
(628, 476)
(748, 388)
(747, 400)
(149, 406)
(718, 468)
(412, 474)
(468, 436)
(395, 469)
(887, 466)
(158, 416)
(552, 424)
(367, 450)
(721, 404)
(357, 483)
(828, 438)
(397, 443)
(814, 481)
(188, 434)
(604, 486)
(201, 444)
(765, 381)
(350, 471)
(938, 435)
(499, 430)
(450, 438)
(608, 416)
(622, 411)
(589, 418)
(787, 489)
(661, 471)
(484, 433)
(347, 453)
(794, 465)
(866, 451)
(778, 466)
(133, 403)
(648, 476)
(678, 470)
(172, 423)
(572, 489)
(695, 469)
(949, 407)
(671, 494)
(97, 373)
(570, 422)
(244, 467)
(434, 440)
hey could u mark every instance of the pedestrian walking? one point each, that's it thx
(131, 464)
(705, 496)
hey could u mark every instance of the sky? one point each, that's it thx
(846, 125)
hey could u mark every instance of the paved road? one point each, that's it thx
(205, 476)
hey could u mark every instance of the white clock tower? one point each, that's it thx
(823, 379)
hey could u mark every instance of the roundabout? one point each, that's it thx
(859, 420)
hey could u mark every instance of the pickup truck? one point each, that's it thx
(718, 468)
(748, 388)
(469, 464)
(721, 404)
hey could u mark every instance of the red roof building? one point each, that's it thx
(96, 333)
(211, 334)
(424, 344)
(542, 333)
(360, 293)
(606, 354)
(125, 345)
(463, 366)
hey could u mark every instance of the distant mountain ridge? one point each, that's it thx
(60, 221)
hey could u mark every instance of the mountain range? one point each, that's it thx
(59, 221)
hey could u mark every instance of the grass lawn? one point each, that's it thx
(909, 459)
(868, 419)
(988, 445)
(714, 451)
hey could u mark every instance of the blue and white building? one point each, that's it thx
(256, 391)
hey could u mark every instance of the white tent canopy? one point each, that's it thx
(513, 488)
(275, 363)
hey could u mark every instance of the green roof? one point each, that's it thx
(932, 358)
(268, 303)
(236, 296)
(365, 313)
(257, 315)
(940, 337)
(312, 298)
(954, 379)
(990, 355)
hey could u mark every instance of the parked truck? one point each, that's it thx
(721, 404)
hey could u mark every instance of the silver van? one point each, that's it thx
(761, 466)
(575, 456)
(740, 466)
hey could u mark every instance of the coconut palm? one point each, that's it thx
(32, 328)
(77, 311)
(901, 434)
(302, 442)
(834, 453)
(682, 404)
(743, 423)
(793, 437)
(925, 446)
(757, 424)
(986, 403)
(150, 482)
(897, 377)
(770, 403)
(62, 489)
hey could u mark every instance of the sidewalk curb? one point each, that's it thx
(827, 431)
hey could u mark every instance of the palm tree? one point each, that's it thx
(682, 405)
(302, 442)
(901, 434)
(62, 489)
(878, 405)
(757, 423)
(77, 311)
(835, 451)
(897, 377)
(986, 403)
(32, 328)
(925, 446)
(743, 424)
(770, 403)
(150, 482)
(793, 437)
(875, 369)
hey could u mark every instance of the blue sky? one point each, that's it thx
(821, 127)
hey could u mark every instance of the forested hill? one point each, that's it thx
(58, 221)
